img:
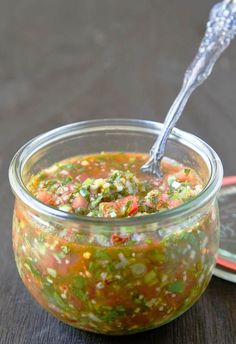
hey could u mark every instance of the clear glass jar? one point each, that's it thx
(68, 263)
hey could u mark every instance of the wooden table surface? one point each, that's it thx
(66, 61)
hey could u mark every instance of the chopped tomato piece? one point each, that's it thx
(118, 208)
(187, 175)
(118, 239)
(174, 203)
(133, 206)
(162, 204)
(46, 197)
(80, 202)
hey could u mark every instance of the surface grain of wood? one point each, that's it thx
(66, 61)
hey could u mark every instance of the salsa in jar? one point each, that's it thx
(111, 185)
(116, 280)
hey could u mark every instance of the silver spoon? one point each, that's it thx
(221, 29)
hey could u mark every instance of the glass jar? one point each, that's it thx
(68, 262)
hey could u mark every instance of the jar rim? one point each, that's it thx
(33, 146)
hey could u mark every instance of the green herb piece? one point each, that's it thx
(176, 287)
(93, 213)
(69, 166)
(102, 255)
(29, 266)
(84, 192)
(171, 179)
(189, 237)
(127, 207)
(87, 182)
(51, 183)
(79, 282)
(157, 255)
(42, 175)
(112, 314)
(96, 202)
(66, 180)
(79, 287)
(148, 241)
(80, 294)
(53, 297)
(150, 277)
(110, 268)
(109, 316)
(81, 211)
(52, 272)
(120, 310)
(92, 267)
(65, 249)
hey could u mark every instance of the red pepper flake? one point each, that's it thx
(107, 282)
(117, 239)
(64, 288)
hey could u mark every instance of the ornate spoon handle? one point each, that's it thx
(221, 29)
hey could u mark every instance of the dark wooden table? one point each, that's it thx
(65, 61)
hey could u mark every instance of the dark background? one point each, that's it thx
(63, 61)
